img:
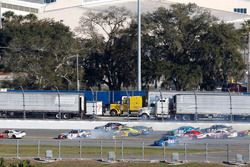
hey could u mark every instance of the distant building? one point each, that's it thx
(70, 11)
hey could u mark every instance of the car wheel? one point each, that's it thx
(195, 138)
(13, 136)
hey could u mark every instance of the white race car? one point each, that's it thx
(75, 134)
(218, 134)
(15, 134)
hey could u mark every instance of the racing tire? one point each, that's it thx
(194, 138)
(13, 136)
(113, 113)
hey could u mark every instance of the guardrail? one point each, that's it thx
(124, 150)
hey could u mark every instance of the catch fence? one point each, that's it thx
(132, 150)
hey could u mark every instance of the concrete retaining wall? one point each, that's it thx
(52, 124)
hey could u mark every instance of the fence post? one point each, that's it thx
(248, 153)
(17, 148)
(227, 152)
(59, 150)
(38, 149)
(143, 150)
(115, 146)
(206, 149)
(80, 147)
(122, 151)
(164, 152)
(101, 149)
(185, 152)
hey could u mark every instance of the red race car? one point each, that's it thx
(3, 135)
(193, 134)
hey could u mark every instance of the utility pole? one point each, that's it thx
(248, 64)
(139, 44)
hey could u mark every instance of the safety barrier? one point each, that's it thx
(60, 124)
(124, 150)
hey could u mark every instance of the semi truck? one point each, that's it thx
(128, 104)
(158, 109)
(200, 106)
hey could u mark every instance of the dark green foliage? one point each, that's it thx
(194, 50)
(41, 52)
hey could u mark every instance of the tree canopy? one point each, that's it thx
(41, 52)
(183, 48)
(194, 50)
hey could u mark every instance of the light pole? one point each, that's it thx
(139, 44)
(77, 73)
(248, 64)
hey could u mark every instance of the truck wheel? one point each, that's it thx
(178, 117)
(144, 116)
(65, 116)
(113, 113)
(186, 118)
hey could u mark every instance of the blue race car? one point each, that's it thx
(167, 141)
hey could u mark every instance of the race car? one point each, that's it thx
(111, 126)
(167, 141)
(221, 134)
(244, 133)
(127, 131)
(75, 134)
(194, 134)
(182, 130)
(3, 135)
(14, 134)
(143, 129)
(214, 128)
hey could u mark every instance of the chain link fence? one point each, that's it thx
(132, 150)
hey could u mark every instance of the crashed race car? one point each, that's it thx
(13, 134)
(221, 134)
(194, 134)
(143, 129)
(111, 126)
(75, 134)
(127, 131)
(167, 141)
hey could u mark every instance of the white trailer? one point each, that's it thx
(93, 108)
(46, 103)
(211, 106)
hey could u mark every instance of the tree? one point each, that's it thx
(41, 52)
(111, 59)
(183, 38)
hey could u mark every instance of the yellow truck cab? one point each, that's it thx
(128, 103)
